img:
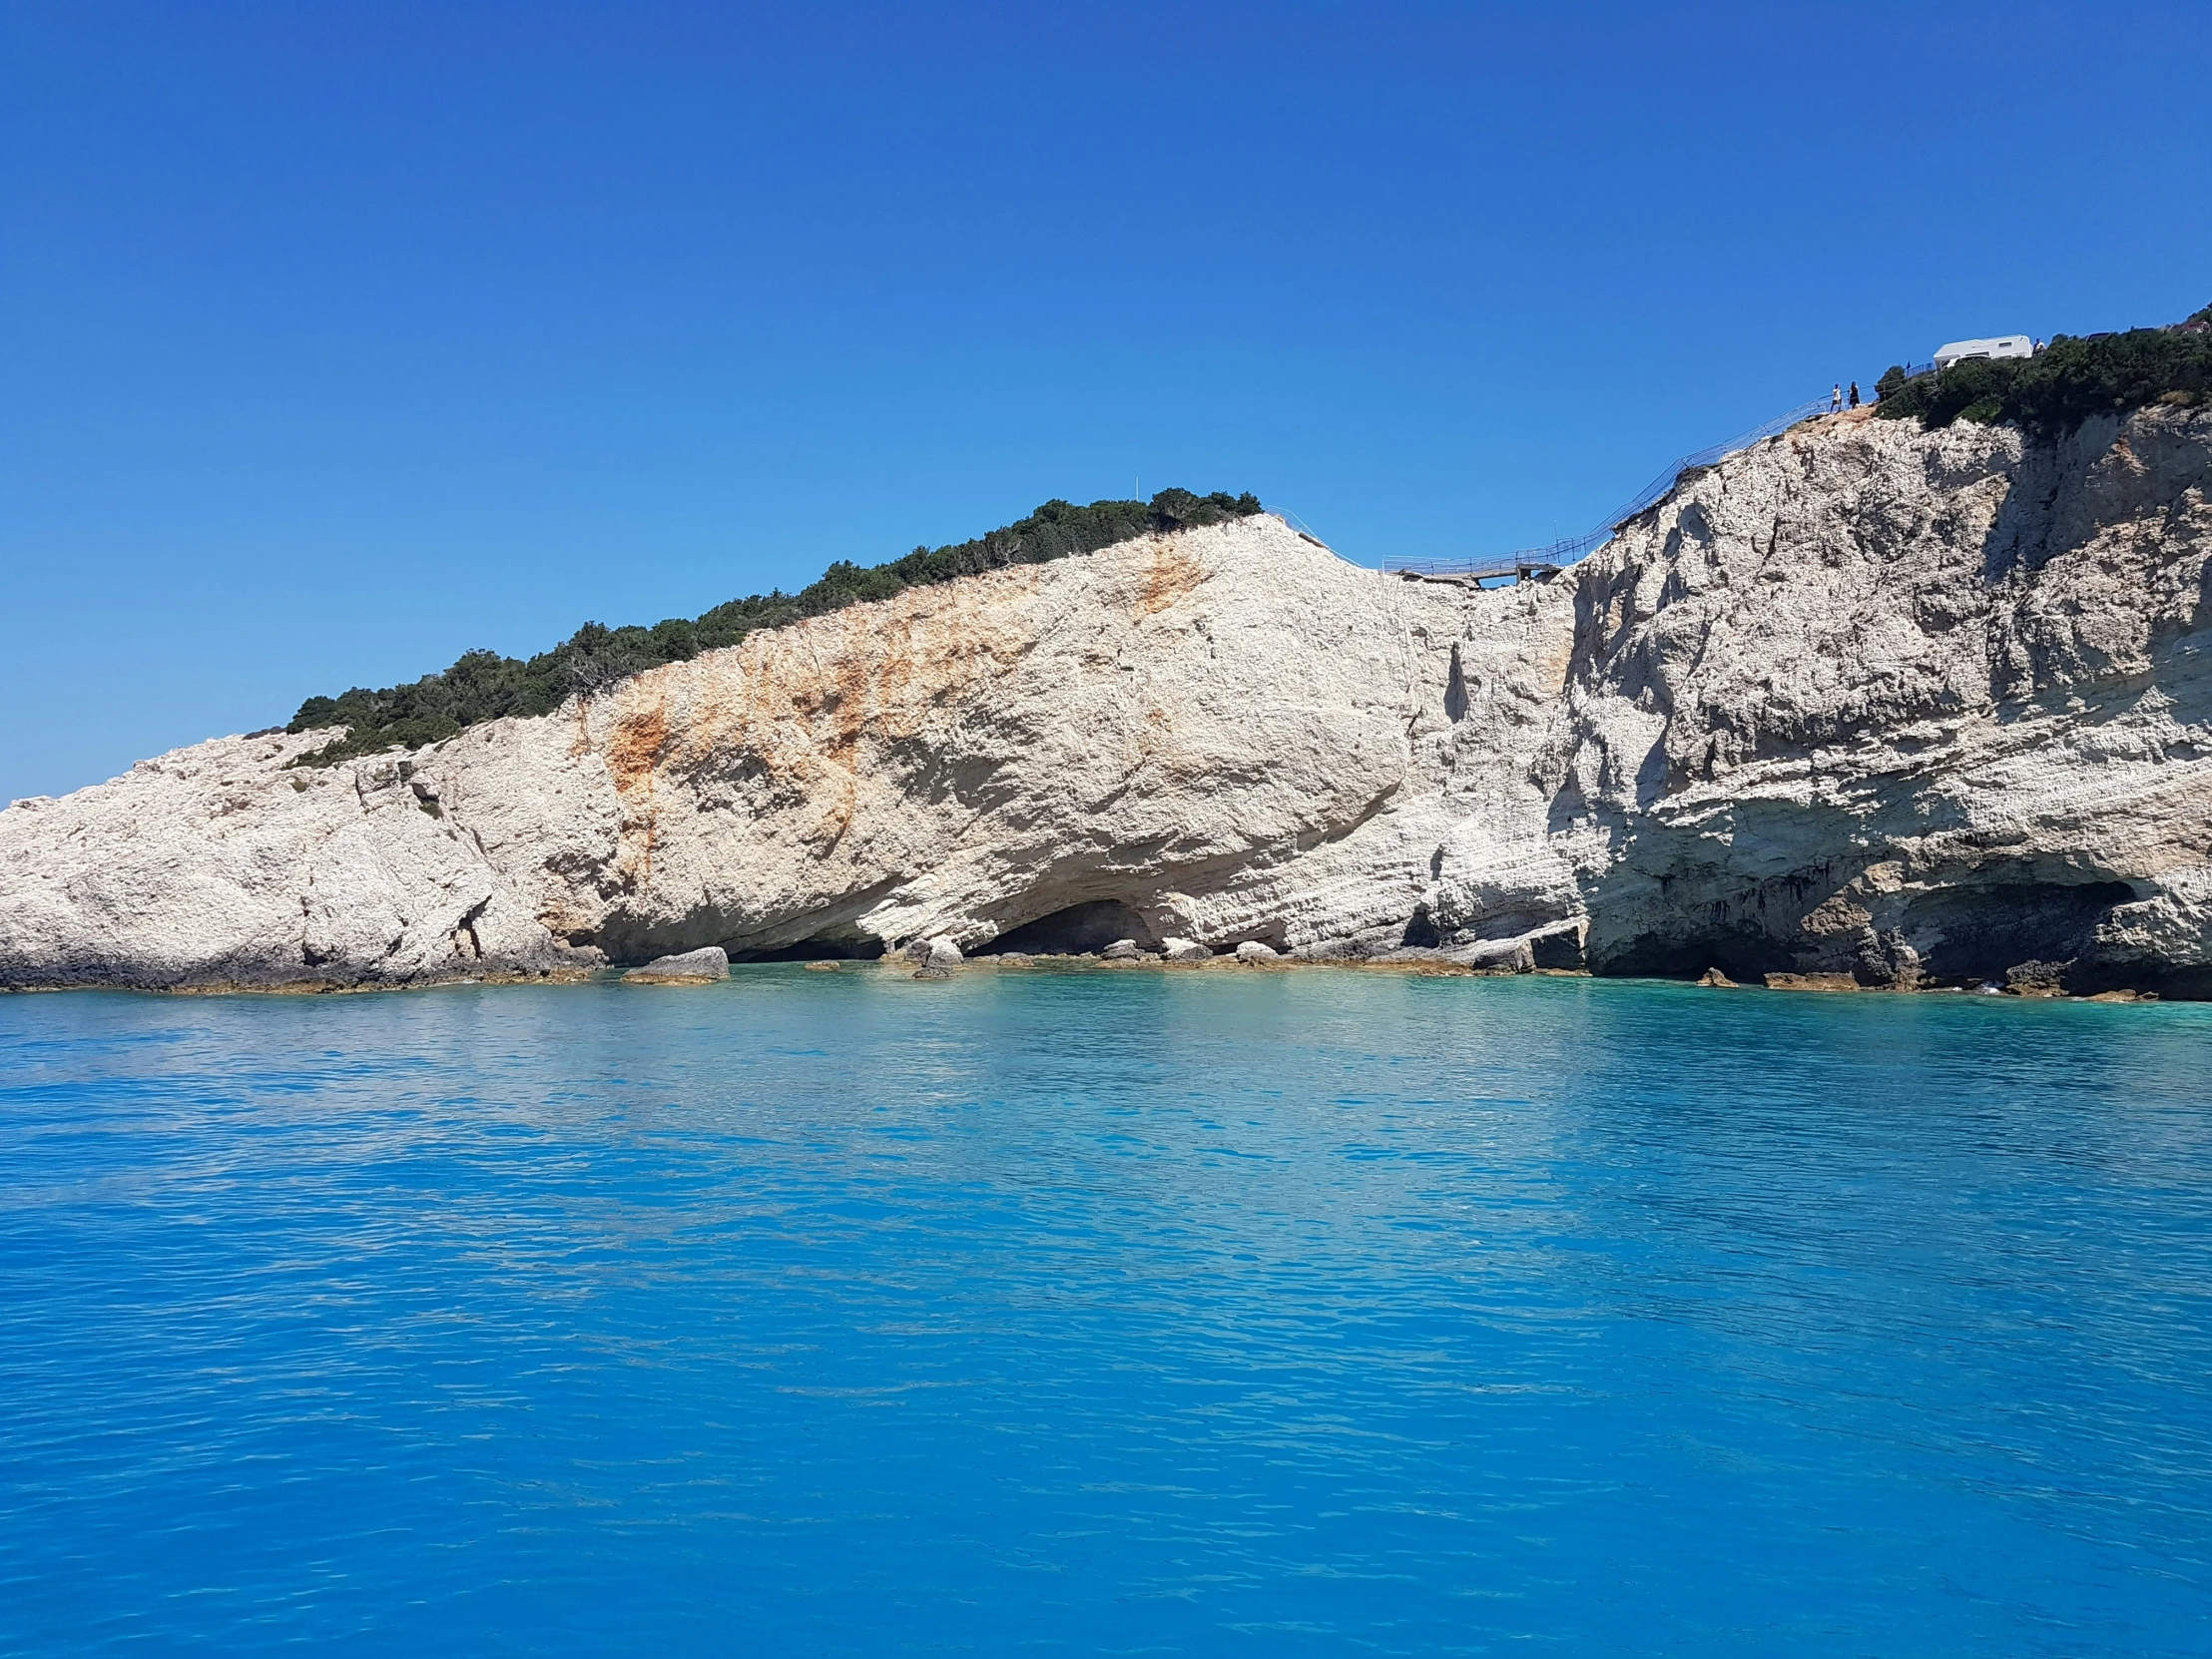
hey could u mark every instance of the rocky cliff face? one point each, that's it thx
(1912, 708)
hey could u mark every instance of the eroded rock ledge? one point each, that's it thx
(1913, 708)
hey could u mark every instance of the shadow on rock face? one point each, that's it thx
(1455, 689)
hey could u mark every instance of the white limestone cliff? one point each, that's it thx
(1861, 700)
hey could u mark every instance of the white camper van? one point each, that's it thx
(2005, 345)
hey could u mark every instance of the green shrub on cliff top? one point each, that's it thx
(482, 684)
(2062, 386)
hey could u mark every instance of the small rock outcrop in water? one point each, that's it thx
(2036, 979)
(703, 967)
(1861, 705)
(1811, 983)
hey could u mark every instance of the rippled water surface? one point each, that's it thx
(1107, 1313)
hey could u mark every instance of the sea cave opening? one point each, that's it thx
(1075, 931)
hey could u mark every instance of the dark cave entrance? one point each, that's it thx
(1076, 931)
(1971, 935)
(1966, 935)
(1741, 953)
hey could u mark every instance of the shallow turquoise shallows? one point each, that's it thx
(1128, 1313)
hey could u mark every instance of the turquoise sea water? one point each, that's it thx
(1105, 1312)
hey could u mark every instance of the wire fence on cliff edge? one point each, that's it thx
(1568, 549)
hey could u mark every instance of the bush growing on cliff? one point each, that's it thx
(482, 684)
(2062, 386)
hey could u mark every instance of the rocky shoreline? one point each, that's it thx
(1861, 704)
(1418, 963)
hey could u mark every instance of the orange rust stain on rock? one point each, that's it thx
(1174, 574)
(816, 705)
(892, 681)
(844, 703)
(634, 747)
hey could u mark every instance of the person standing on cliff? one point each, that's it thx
(1855, 394)
(1836, 401)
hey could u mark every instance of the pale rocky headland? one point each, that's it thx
(1863, 705)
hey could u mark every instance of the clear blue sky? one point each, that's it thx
(336, 340)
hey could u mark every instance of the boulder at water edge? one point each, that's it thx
(703, 967)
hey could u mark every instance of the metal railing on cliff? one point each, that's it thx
(1527, 560)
